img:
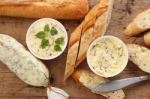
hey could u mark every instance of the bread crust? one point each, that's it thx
(134, 27)
(58, 9)
(147, 38)
(94, 25)
(89, 80)
(140, 56)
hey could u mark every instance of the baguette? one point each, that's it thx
(94, 25)
(58, 9)
(147, 38)
(91, 80)
(140, 56)
(140, 24)
(29, 69)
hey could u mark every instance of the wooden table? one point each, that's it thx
(13, 88)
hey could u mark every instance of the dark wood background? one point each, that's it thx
(13, 88)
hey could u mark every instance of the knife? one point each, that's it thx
(118, 84)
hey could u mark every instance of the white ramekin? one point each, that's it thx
(51, 57)
(122, 67)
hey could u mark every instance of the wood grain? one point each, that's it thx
(13, 88)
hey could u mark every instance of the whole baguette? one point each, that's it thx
(147, 38)
(58, 9)
(29, 69)
(140, 24)
(140, 56)
(91, 80)
(94, 25)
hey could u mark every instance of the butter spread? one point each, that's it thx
(107, 56)
(51, 49)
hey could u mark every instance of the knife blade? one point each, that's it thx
(118, 84)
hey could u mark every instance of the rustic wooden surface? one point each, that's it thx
(13, 88)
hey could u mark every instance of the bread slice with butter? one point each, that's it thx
(140, 24)
(140, 56)
(89, 80)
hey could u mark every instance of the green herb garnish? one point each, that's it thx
(46, 28)
(59, 40)
(44, 43)
(41, 35)
(53, 31)
(57, 48)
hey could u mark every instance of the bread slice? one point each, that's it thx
(140, 24)
(140, 56)
(94, 25)
(58, 9)
(90, 80)
(147, 38)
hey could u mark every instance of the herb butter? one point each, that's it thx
(107, 56)
(46, 38)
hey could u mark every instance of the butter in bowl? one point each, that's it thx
(107, 56)
(46, 38)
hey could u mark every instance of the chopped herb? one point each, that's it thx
(44, 43)
(41, 35)
(59, 40)
(57, 48)
(46, 28)
(53, 31)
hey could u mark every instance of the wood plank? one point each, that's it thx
(124, 11)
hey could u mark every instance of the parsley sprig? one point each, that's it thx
(58, 43)
(46, 28)
(57, 48)
(45, 42)
(41, 35)
(53, 31)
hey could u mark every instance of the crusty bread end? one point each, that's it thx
(140, 24)
(90, 80)
(140, 56)
(147, 38)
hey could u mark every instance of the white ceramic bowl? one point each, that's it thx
(64, 46)
(122, 67)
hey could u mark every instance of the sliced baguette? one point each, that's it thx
(140, 24)
(140, 56)
(147, 38)
(91, 80)
(94, 25)
(59, 9)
